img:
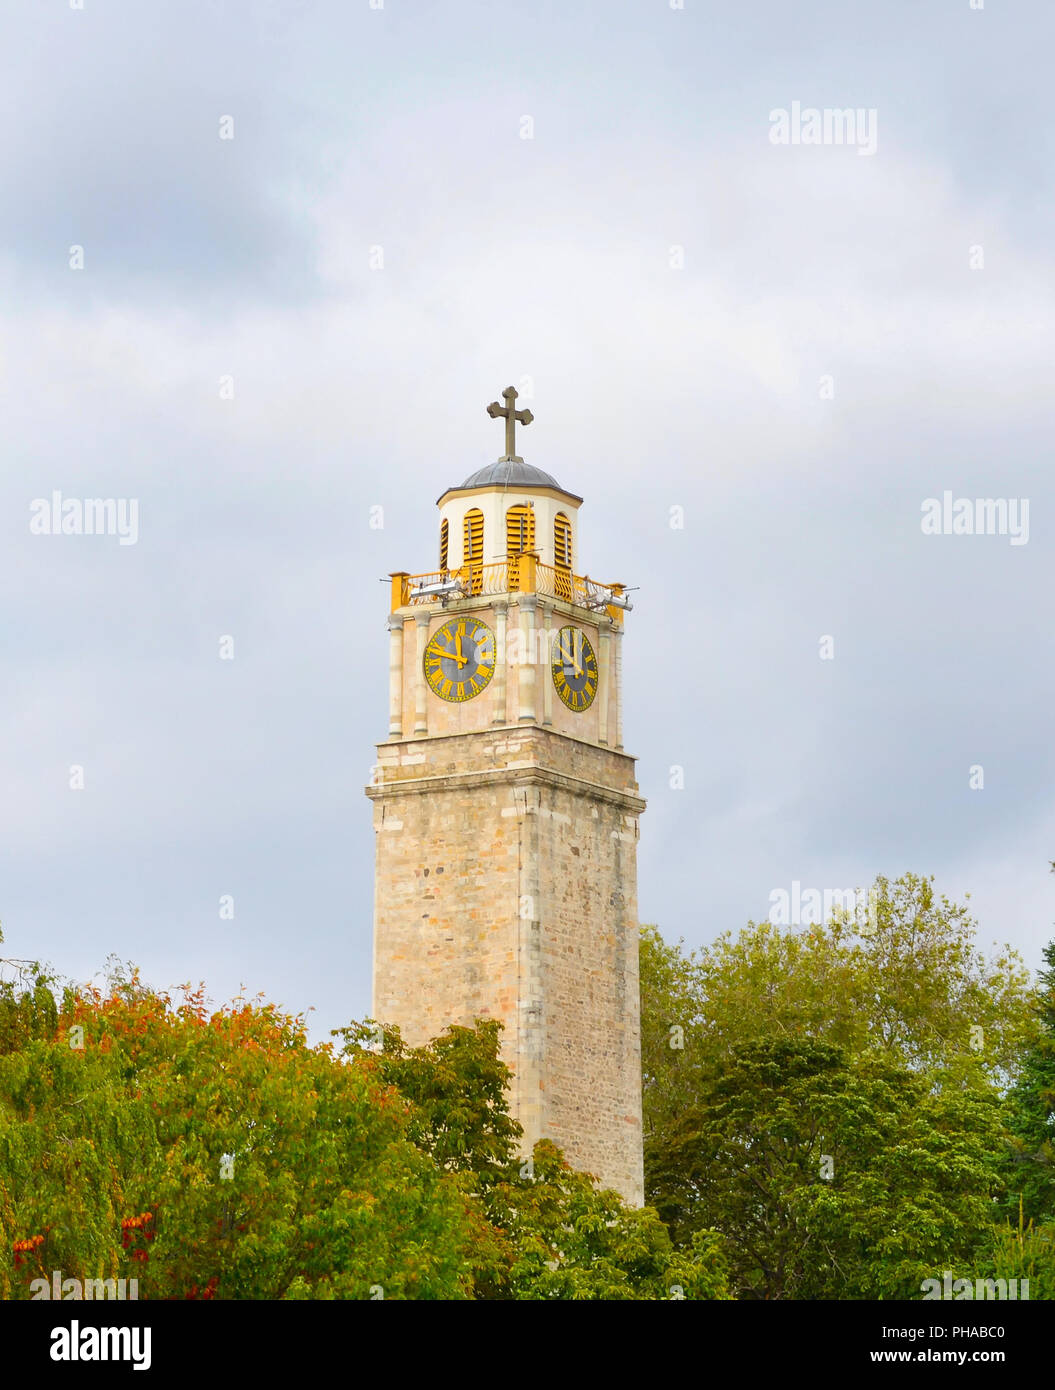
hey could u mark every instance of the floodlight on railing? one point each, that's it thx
(619, 601)
(441, 589)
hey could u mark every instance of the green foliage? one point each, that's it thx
(546, 1231)
(671, 1014)
(884, 1044)
(1024, 1251)
(571, 1241)
(830, 1177)
(911, 983)
(1030, 1166)
(112, 1159)
(825, 1117)
(27, 1007)
(456, 1086)
(215, 1154)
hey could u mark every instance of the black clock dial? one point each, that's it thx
(460, 659)
(574, 666)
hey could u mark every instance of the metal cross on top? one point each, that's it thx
(511, 415)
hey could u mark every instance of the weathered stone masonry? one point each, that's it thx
(506, 888)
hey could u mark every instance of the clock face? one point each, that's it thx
(574, 667)
(460, 659)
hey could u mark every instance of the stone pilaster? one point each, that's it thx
(617, 664)
(546, 610)
(604, 642)
(395, 677)
(421, 690)
(527, 668)
(501, 665)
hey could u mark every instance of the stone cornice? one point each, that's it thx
(534, 774)
(510, 599)
(514, 730)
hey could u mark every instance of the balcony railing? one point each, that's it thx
(520, 574)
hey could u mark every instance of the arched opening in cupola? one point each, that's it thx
(520, 538)
(562, 557)
(473, 550)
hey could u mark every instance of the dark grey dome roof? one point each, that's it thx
(511, 472)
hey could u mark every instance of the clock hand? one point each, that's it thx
(455, 656)
(570, 657)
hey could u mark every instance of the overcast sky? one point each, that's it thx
(661, 378)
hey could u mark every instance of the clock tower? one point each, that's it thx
(506, 813)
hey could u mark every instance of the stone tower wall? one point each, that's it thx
(506, 888)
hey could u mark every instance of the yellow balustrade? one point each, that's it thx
(524, 574)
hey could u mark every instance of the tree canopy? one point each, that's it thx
(838, 1111)
(214, 1153)
(832, 1098)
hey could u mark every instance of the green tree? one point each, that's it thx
(829, 1177)
(1023, 1250)
(918, 1028)
(215, 1154)
(548, 1232)
(910, 982)
(672, 1001)
(909, 979)
(1030, 1169)
(456, 1087)
(570, 1240)
(27, 1005)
